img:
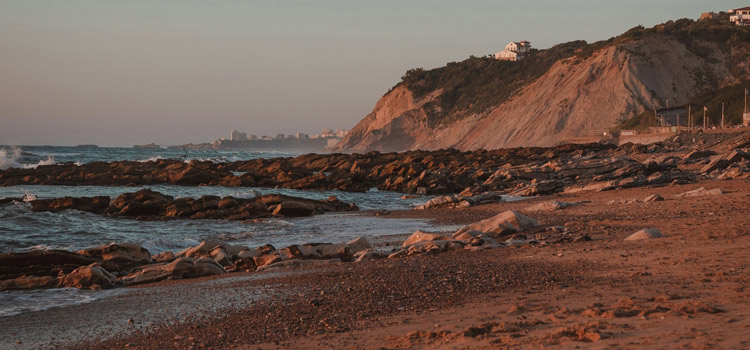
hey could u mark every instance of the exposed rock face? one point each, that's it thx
(574, 97)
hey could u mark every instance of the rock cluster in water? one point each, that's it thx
(126, 264)
(520, 171)
(147, 204)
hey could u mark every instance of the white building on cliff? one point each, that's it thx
(514, 51)
(740, 17)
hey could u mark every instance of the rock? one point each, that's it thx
(502, 224)
(399, 253)
(244, 264)
(267, 259)
(368, 254)
(219, 254)
(228, 203)
(88, 204)
(549, 206)
(29, 282)
(325, 251)
(421, 236)
(358, 244)
(192, 176)
(204, 249)
(163, 257)
(596, 186)
(178, 269)
(539, 188)
(293, 208)
(182, 208)
(148, 202)
(440, 201)
(140, 209)
(295, 263)
(722, 161)
(646, 233)
(431, 247)
(701, 191)
(653, 198)
(693, 155)
(119, 253)
(44, 258)
(91, 277)
(476, 238)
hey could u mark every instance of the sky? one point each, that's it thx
(121, 73)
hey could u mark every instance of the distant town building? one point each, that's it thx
(279, 136)
(237, 136)
(327, 133)
(709, 15)
(514, 51)
(252, 137)
(741, 16)
(301, 135)
(340, 133)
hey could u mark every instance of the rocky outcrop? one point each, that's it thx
(477, 177)
(125, 264)
(147, 204)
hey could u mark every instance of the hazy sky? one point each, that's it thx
(132, 72)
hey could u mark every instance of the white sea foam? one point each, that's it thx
(9, 158)
(152, 159)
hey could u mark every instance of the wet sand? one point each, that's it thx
(688, 289)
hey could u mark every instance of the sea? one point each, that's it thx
(23, 230)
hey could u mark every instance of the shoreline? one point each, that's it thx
(395, 301)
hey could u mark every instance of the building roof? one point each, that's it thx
(744, 8)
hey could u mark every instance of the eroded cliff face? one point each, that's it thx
(573, 98)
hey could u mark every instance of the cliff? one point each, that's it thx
(569, 90)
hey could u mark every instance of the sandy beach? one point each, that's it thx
(686, 289)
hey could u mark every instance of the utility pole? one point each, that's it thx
(722, 115)
(704, 117)
(690, 120)
(656, 116)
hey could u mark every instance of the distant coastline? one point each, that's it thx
(287, 144)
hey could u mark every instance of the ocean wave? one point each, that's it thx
(11, 158)
(152, 159)
(18, 302)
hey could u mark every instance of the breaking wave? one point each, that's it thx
(13, 158)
